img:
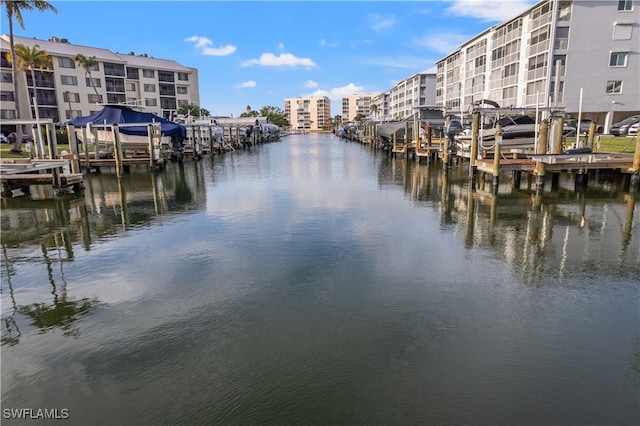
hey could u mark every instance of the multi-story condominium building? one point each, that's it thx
(356, 104)
(404, 98)
(580, 55)
(308, 114)
(412, 92)
(381, 110)
(66, 90)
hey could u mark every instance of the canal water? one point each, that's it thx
(314, 281)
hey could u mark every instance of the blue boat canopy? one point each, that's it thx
(119, 114)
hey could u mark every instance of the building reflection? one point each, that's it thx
(595, 228)
(56, 228)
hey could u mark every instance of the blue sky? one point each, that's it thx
(258, 53)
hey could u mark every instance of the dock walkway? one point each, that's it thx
(21, 174)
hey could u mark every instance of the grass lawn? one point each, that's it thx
(611, 143)
(618, 144)
(5, 149)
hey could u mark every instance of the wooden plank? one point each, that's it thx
(41, 178)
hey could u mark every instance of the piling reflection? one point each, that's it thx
(594, 229)
(63, 311)
(57, 228)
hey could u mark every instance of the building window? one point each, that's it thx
(537, 62)
(116, 98)
(7, 95)
(148, 73)
(131, 87)
(564, 11)
(7, 77)
(167, 89)
(151, 102)
(94, 99)
(4, 63)
(70, 114)
(8, 114)
(614, 86)
(183, 76)
(511, 69)
(71, 97)
(181, 90)
(618, 59)
(66, 62)
(625, 5)
(93, 82)
(116, 70)
(68, 80)
(168, 103)
(114, 85)
(165, 76)
(149, 87)
(132, 73)
(182, 102)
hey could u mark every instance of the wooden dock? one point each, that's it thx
(562, 163)
(21, 175)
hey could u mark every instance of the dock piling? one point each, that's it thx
(496, 159)
(117, 150)
(635, 169)
(73, 145)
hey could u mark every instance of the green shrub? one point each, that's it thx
(62, 137)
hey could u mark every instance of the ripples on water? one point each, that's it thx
(312, 281)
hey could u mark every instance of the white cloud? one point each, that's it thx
(206, 46)
(489, 10)
(377, 22)
(337, 92)
(349, 89)
(282, 60)
(317, 94)
(249, 83)
(442, 42)
(281, 46)
(324, 43)
(310, 84)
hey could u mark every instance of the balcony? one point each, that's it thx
(561, 44)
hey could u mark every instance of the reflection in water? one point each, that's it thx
(521, 224)
(64, 311)
(110, 206)
(315, 281)
(11, 332)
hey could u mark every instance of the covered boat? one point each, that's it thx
(121, 114)
(430, 117)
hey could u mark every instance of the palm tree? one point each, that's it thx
(374, 109)
(14, 9)
(29, 59)
(189, 110)
(86, 63)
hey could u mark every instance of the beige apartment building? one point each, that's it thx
(354, 105)
(159, 86)
(308, 114)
